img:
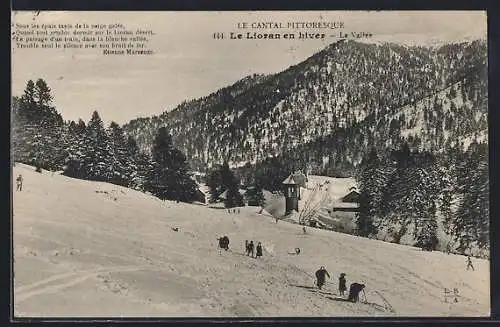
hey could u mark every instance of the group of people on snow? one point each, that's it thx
(249, 249)
(354, 289)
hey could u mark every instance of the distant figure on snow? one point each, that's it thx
(228, 210)
(304, 229)
(320, 276)
(224, 242)
(246, 246)
(250, 249)
(297, 251)
(238, 210)
(19, 182)
(469, 263)
(258, 253)
(342, 284)
(354, 291)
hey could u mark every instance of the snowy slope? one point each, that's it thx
(93, 249)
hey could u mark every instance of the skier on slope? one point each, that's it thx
(224, 242)
(354, 291)
(320, 276)
(342, 284)
(250, 249)
(19, 182)
(469, 263)
(258, 252)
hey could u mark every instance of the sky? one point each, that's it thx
(189, 63)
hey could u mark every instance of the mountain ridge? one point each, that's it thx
(265, 115)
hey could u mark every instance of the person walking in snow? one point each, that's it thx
(354, 291)
(469, 263)
(246, 246)
(342, 284)
(19, 182)
(321, 273)
(250, 249)
(258, 253)
(223, 243)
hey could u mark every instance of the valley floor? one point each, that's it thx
(94, 249)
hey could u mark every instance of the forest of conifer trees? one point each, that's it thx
(92, 151)
(403, 190)
(406, 191)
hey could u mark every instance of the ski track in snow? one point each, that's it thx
(27, 291)
(126, 254)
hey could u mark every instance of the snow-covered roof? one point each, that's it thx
(352, 196)
(345, 205)
(223, 195)
(290, 180)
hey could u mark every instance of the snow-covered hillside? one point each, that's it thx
(94, 249)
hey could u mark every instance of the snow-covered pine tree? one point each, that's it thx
(369, 188)
(42, 93)
(426, 238)
(255, 196)
(397, 205)
(169, 177)
(426, 188)
(78, 146)
(214, 183)
(97, 156)
(37, 128)
(139, 166)
(231, 184)
(122, 161)
(471, 223)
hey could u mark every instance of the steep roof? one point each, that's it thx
(223, 195)
(300, 178)
(352, 196)
(290, 180)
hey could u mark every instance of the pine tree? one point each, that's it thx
(78, 146)
(122, 161)
(90, 155)
(37, 128)
(427, 234)
(169, 177)
(98, 157)
(471, 223)
(255, 196)
(42, 94)
(140, 164)
(370, 191)
(229, 183)
(214, 183)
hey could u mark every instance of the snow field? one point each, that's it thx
(86, 248)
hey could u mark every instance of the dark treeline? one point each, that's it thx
(404, 192)
(91, 151)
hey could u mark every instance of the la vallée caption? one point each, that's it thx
(110, 39)
(270, 30)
